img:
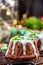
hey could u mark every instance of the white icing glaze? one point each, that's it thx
(24, 42)
(8, 47)
(25, 37)
(13, 49)
(36, 54)
(6, 53)
(24, 50)
(40, 36)
(27, 34)
(24, 46)
(41, 39)
(10, 42)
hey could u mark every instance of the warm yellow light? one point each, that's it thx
(20, 26)
(15, 22)
(24, 15)
(3, 7)
(8, 13)
(12, 3)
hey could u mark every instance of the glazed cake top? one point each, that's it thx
(23, 41)
(28, 37)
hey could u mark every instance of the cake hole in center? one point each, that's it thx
(18, 47)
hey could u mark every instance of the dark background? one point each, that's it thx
(31, 8)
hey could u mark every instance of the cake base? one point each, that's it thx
(21, 58)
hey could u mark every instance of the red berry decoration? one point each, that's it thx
(17, 29)
(24, 27)
(42, 18)
(19, 34)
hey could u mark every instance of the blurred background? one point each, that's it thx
(18, 13)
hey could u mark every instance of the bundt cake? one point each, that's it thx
(37, 35)
(21, 48)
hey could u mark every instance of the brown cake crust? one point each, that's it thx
(29, 49)
(21, 58)
(39, 45)
(18, 49)
(18, 52)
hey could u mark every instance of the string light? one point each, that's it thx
(12, 3)
(3, 7)
(8, 13)
(20, 26)
(15, 22)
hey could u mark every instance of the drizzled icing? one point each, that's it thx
(13, 49)
(24, 42)
(41, 39)
(27, 34)
(6, 53)
(26, 39)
